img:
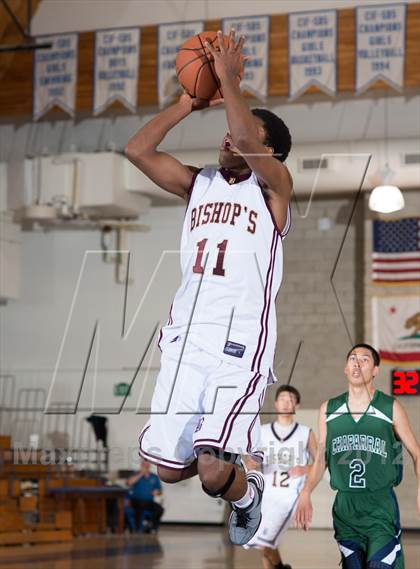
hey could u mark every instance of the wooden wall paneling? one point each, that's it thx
(412, 46)
(16, 68)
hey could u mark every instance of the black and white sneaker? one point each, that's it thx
(244, 522)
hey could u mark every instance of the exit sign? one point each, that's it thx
(405, 382)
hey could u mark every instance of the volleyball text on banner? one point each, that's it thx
(396, 328)
(116, 68)
(170, 39)
(396, 251)
(380, 45)
(55, 74)
(312, 51)
(256, 29)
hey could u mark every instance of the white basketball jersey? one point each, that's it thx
(282, 453)
(232, 266)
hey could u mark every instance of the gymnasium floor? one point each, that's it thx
(182, 547)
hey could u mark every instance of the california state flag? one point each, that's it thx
(396, 328)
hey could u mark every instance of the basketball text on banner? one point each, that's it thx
(396, 328)
(380, 45)
(116, 68)
(170, 39)
(312, 51)
(256, 29)
(396, 251)
(54, 74)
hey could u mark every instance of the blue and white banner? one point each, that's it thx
(116, 68)
(312, 51)
(55, 74)
(170, 39)
(256, 29)
(380, 45)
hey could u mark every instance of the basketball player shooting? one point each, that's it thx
(218, 346)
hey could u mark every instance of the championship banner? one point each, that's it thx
(312, 52)
(380, 45)
(54, 75)
(396, 328)
(116, 68)
(256, 29)
(170, 39)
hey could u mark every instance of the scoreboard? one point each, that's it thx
(405, 382)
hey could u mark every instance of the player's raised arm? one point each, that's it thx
(242, 125)
(403, 430)
(303, 516)
(162, 168)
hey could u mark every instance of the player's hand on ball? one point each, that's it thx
(228, 60)
(303, 515)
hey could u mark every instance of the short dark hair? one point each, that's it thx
(278, 135)
(290, 389)
(375, 355)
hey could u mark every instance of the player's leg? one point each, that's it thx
(272, 559)
(385, 548)
(173, 476)
(230, 428)
(167, 438)
(352, 544)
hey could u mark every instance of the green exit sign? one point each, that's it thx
(121, 389)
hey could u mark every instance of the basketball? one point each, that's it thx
(195, 66)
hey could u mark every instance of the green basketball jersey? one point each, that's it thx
(364, 454)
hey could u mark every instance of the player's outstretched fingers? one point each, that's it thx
(221, 43)
(240, 44)
(232, 40)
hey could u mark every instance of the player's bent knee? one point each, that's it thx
(169, 476)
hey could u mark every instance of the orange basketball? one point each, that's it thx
(195, 66)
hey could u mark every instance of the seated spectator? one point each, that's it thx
(144, 488)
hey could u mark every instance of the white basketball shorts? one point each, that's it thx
(200, 400)
(277, 510)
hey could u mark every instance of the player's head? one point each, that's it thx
(277, 135)
(272, 132)
(362, 364)
(287, 400)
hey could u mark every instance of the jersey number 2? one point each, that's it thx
(357, 474)
(218, 269)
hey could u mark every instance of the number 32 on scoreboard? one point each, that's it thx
(405, 382)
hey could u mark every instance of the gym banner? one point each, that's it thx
(116, 68)
(55, 74)
(312, 51)
(256, 29)
(396, 328)
(170, 39)
(380, 45)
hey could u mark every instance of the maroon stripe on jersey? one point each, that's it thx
(268, 308)
(267, 279)
(244, 400)
(232, 415)
(193, 179)
(169, 322)
(260, 402)
(160, 460)
(284, 231)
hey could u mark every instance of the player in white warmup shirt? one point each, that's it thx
(218, 345)
(288, 447)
